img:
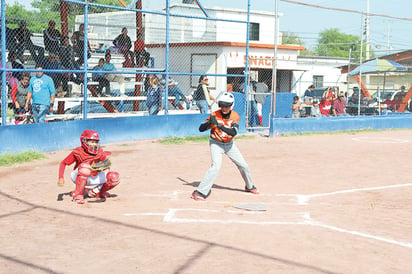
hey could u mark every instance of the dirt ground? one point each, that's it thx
(337, 203)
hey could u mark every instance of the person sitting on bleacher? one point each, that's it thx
(107, 66)
(78, 45)
(123, 44)
(12, 63)
(12, 45)
(142, 56)
(11, 81)
(66, 55)
(100, 77)
(51, 38)
(23, 36)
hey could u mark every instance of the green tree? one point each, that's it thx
(290, 38)
(334, 43)
(45, 10)
(76, 9)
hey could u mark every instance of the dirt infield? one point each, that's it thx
(335, 204)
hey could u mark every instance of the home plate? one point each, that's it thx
(253, 207)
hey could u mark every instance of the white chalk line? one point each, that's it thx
(303, 199)
(380, 140)
(361, 234)
(306, 220)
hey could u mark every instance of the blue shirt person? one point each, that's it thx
(154, 97)
(42, 91)
(175, 91)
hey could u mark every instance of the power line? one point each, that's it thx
(347, 10)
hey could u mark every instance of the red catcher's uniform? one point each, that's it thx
(78, 156)
(218, 134)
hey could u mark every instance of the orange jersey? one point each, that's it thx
(218, 134)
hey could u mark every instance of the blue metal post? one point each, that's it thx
(246, 80)
(167, 57)
(85, 63)
(3, 64)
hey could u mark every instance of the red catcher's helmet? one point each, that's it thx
(90, 135)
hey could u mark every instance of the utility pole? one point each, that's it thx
(388, 51)
(367, 38)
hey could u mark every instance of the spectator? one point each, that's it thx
(42, 91)
(296, 107)
(354, 99)
(78, 45)
(107, 66)
(100, 77)
(202, 95)
(19, 95)
(224, 126)
(397, 102)
(66, 56)
(123, 44)
(12, 44)
(23, 36)
(389, 103)
(309, 92)
(9, 76)
(339, 105)
(53, 63)
(262, 91)
(154, 96)
(253, 112)
(142, 56)
(12, 63)
(175, 91)
(51, 38)
(326, 103)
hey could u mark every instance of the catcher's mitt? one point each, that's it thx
(102, 165)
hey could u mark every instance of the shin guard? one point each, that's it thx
(83, 172)
(113, 179)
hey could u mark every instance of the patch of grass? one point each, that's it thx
(195, 139)
(9, 159)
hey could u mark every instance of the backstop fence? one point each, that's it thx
(111, 61)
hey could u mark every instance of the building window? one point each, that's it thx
(254, 32)
(318, 81)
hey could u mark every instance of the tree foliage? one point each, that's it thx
(45, 10)
(290, 38)
(334, 43)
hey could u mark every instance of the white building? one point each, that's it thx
(218, 47)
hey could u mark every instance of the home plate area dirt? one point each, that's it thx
(338, 203)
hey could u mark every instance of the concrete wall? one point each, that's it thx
(64, 135)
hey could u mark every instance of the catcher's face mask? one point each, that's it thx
(92, 146)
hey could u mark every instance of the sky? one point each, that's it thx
(387, 35)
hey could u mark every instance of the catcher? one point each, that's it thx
(90, 169)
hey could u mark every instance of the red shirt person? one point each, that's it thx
(83, 174)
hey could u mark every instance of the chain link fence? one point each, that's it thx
(107, 61)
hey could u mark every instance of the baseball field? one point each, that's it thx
(338, 203)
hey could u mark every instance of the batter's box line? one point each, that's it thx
(303, 199)
(360, 234)
(170, 217)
